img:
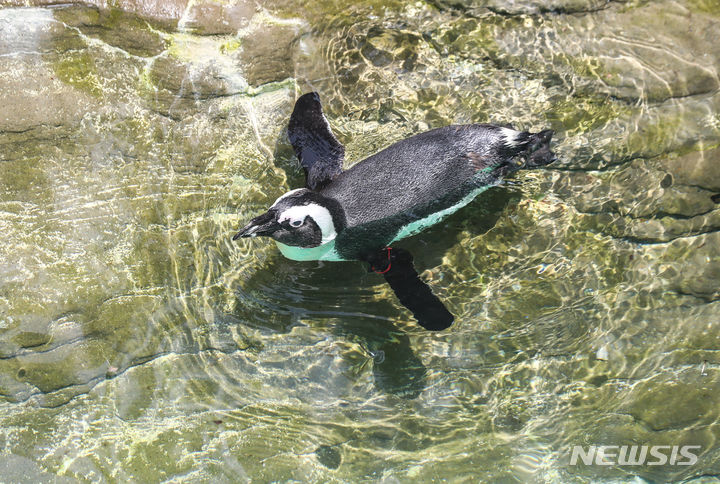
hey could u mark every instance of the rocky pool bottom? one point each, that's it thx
(139, 343)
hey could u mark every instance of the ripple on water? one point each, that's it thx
(138, 342)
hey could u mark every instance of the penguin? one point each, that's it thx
(359, 213)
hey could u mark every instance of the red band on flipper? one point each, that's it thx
(388, 266)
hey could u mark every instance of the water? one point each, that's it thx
(139, 343)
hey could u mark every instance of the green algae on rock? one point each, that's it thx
(137, 343)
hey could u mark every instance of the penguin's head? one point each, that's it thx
(300, 218)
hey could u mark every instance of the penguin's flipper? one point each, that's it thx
(397, 267)
(320, 153)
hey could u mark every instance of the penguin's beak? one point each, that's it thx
(264, 224)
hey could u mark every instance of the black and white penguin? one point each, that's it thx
(358, 213)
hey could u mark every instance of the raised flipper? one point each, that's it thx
(320, 153)
(397, 267)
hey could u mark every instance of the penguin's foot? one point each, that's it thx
(378, 263)
(538, 149)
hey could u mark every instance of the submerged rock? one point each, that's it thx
(698, 168)
(168, 11)
(129, 32)
(519, 7)
(136, 138)
(653, 51)
(215, 18)
(268, 49)
(328, 456)
(33, 93)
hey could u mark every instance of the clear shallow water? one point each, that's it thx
(138, 343)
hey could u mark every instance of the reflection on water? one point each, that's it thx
(138, 342)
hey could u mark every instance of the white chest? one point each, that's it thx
(322, 252)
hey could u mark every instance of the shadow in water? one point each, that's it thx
(340, 296)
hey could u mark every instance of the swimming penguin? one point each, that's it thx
(358, 213)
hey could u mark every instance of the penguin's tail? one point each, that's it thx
(533, 147)
(538, 151)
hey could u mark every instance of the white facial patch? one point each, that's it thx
(320, 215)
(291, 192)
(510, 136)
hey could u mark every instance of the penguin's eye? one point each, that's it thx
(296, 223)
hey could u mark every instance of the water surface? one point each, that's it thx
(138, 343)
